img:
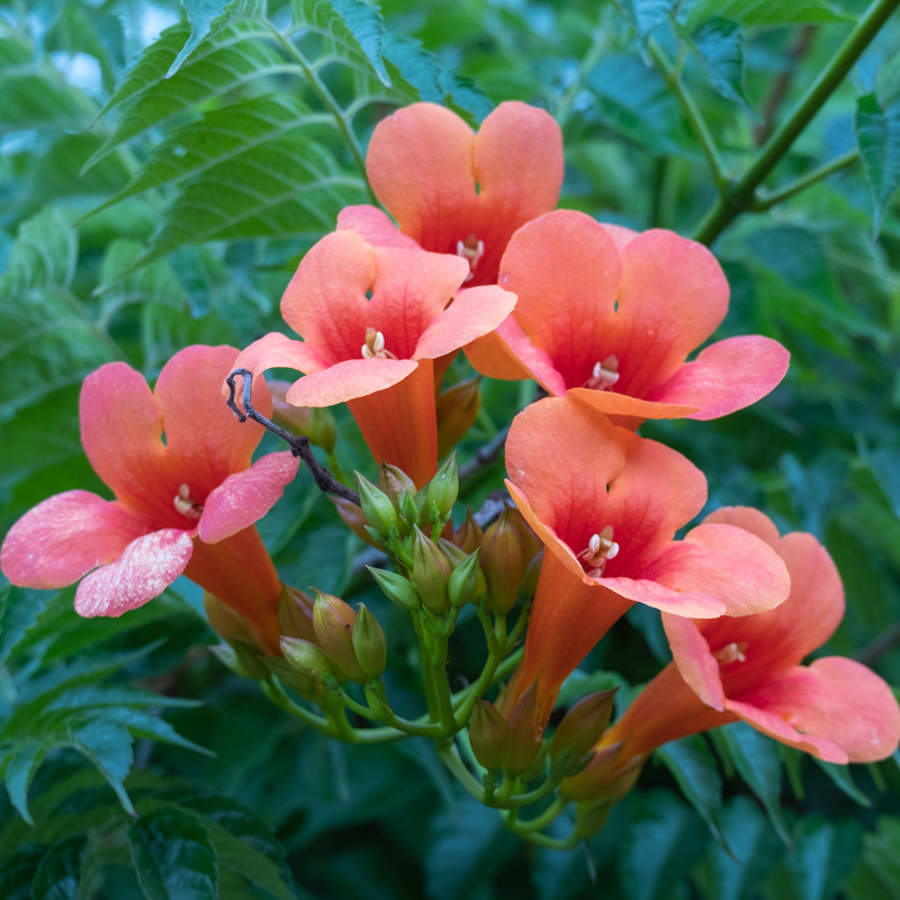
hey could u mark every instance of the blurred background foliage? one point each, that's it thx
(164, 166)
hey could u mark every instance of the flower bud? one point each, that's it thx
(397, 588)
(462, 586)
(306, 660)
(531, 543)
(226, 623)
(528, 587)
(242, 663)
(369, 644)
(525, 733)
(430, 572)
(441, 492)
(468, 537)
(603, 776)
(573, 743)
(457, 408)
(377, 508)
(501, 560)
(317, 424)
(295, 614)
(409, 510)
(333, 623)
(395, 482)
(352, 516)
(489, 735)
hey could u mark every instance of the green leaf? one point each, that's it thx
(884, 463)
(57, 875)
(173, 856)
(21, 765)
(878, 136)
(768, 12)
(645, 15)
(841, 776)
(18, 871)
(108, 746)
(720, 48)
(825, 855)
(20, 609)
(42, 100)
(696, 770)
(363, 24)
(757, 762)
(200, 14)
(878, 872)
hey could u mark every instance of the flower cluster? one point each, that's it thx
(476, 259)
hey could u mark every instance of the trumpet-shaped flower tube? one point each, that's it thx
(185, 504)
(453, 191)
(749, 669)
(372, 321)
(612, 315)
(606, 504)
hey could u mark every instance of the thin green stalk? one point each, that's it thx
(801, 184)
(539, 821)
(740, 197)
(590, 59)
(330, 103)
(450, 757)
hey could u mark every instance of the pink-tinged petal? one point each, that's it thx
(664, 598)
(121, 432)
(508, 353)
(693, 659)
(345, 381)
(474, 313)
(278, 351)
(374, 226)
(728, 564)
(726, 376)
(245, 497)
(64, 537)
(147, 566)
(749, 519)
(565, 270)
(420, 165)
(612, 404)
(411, 290)
(673, 296)
(621, 236)
(326, 302)
(204, 440)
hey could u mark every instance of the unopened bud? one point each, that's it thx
(295, 614)
(250, 657)
(501, 561)
(226, 623)
(369, 644)
(315, 423)
(462, 586)
(531, 543)
(582, 727)
(489, 735)
(409, 510)
(430, 572)
(397, 588)
(247, 666)
(601, 777)
(525, 733)
(307, 660)
(442, 490)
(333, 623)
(377, 508)
(457, 408)
(528, 588)
(468, 537)
(395, 482)
(352, 516)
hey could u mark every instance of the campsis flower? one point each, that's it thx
(187, 496)
(749, 668)
(372, 320)
(612, 315)
(453, 191)
(606, 504)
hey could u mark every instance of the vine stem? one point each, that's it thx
(802, 183)
(740, 196)
(331, 104)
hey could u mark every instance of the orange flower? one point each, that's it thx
(606, 504)
(748, 668)
(372, 321)
(612, 315)
(452, 191)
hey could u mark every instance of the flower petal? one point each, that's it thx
(147, 566)
(278, 351)
(374, 227)
(64, 537)
(472, 314)
(348, 380)
(726, 376)
(694, 660)
(612, 404)
(245, 497)
(664, 598)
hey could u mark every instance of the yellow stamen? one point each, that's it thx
(600, 549)
(374, 347)
(471, 249)
(604, 374)
(730, 653)
(185, 505)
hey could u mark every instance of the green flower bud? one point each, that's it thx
(489, 735)
(295, 614)
(528, 588)
(572, 746)
(501, 560)
(227, 623)
(456, 409)
(245, 665)
(333, 623)
(307, 659)
(369, 644)
(525, 733)
(430, 572)
(397, 588)
(377, 508)
(352, 516)
(468, 537)
(409, 510)
(462, 586)
(442, 490)
(395, 482)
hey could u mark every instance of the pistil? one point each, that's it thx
(600, 549)
(604, 374)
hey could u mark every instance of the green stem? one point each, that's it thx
(450, 757)
(330, 103)
(801, 184)
(591, 58)
(740, 197)
(539, 821)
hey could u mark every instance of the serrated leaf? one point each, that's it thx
(18, 871)
(768, 12)
(44, 253)
(645, 15)
(720, 48)
(695, 769)
(878, 136)
(20, 609)
(757, 762)
(20, 766)
(878, 872)
(200, 14)
(825, 855)
(109, 747)
(57, 874)
(173, 856)
(841, 776)
(42, 100)
(885, 465)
